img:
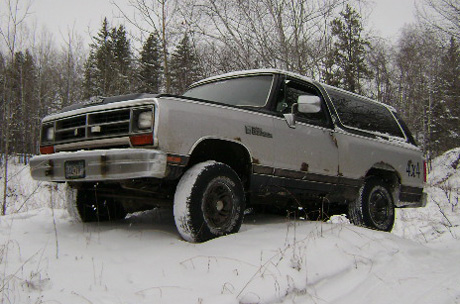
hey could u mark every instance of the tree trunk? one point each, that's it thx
(7, 147)
(165, 48)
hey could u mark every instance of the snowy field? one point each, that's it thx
(46, 257)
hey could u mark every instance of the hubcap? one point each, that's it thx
(218, 205)
(380, 208)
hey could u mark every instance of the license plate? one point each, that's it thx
(74, 169)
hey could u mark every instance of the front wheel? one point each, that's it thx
(374, 207)
(209, 202)
(86, 206)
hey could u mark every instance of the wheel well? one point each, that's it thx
(389, 176)
(233, 154)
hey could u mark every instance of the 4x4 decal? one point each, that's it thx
(413, 169)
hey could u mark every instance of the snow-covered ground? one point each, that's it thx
(46, 257)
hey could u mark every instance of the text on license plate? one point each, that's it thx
(74, 169)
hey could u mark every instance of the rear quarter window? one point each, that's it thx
(359, 113)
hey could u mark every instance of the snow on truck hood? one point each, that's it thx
(103, 104)
(98, 100)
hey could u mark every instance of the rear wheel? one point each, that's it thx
(209, 202)
(374, 207)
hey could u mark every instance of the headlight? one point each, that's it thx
(145, 120)
(50, 134)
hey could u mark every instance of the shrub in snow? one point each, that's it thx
(24, 193)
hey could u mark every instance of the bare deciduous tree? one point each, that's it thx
(11, 21)
(441, 15)
(380, 62)
(71, 62)
(418, 62)
(284, 34)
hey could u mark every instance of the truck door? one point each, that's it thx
(305, 154)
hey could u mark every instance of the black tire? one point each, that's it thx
(209, 202)
(374, 208)
(92, 208)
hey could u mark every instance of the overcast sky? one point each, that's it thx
(386, 19)
(389, 16)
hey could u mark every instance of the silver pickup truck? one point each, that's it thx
(245, 139)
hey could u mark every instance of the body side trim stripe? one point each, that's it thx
(305, 176)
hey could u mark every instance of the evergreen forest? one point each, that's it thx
(172, 43)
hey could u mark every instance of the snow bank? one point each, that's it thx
(25, 193)
(143, 260)
(45, 257)
(440, 219)
(446, 169)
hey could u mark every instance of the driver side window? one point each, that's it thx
(289, 95)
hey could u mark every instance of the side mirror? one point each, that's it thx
(309, 104)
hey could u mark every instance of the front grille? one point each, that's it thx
(69, 135)
(72, 122)
(96, 125)
(109, 117)
(109, 130)
(110, 123)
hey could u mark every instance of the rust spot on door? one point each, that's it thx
(304, 167)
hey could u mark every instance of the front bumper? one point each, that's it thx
(100, 165)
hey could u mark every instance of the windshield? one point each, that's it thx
(245, 91)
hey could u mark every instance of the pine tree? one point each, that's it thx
(184, 66)
(29, 107)
(150, 66)
(89, 85)
(122, 60)
(108, 68)
(3, 85)
(104, 60)
(95, 66)
(17, 90)
(22, 110)
(345, 64)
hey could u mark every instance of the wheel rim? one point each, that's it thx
(94, 208)
(218, 205)
(380, 208)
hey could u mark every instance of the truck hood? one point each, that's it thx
(96, 101)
